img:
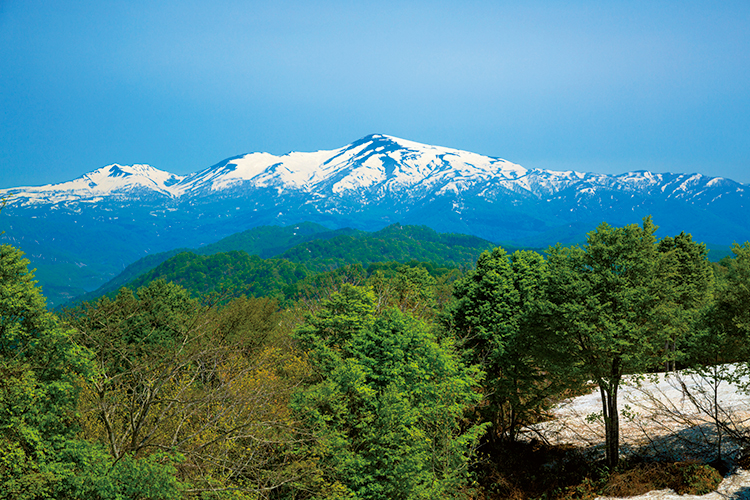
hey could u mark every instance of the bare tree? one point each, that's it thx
(699, 412)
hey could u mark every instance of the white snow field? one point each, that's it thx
(668, 416)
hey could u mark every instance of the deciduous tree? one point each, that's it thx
(42, 370)
(210, 384)
(612, 307)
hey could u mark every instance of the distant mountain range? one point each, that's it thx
(81, 233)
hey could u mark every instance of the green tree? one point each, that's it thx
(42, 371)
(722, 332)
(612, 307)
(734, 296)
(493, 315)
(39, 365)
(387, 403)
(716, 349)
(209, 385)
(692, 281)
(410, 289)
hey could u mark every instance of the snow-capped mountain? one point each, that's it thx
(372, 168)
(112, 181)
(97, 224)
(376, 162)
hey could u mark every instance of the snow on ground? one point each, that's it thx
(734, 487)
(670, 417)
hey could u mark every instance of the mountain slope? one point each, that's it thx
(84, 232)
(376, 162)
(394, 243)
(230, 261)
(264, 241)
(113, 181)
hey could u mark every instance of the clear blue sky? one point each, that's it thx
(586, 85)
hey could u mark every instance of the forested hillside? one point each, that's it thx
(264, 241)
(233, 376)
(316, 248)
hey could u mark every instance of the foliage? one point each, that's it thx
(231, 264)
(409, 289)
(494, 315)
(39, 366)
(393, 243)
(419, 287)
(719, 337)
(208, 383)
(437, 282)
(269, 241)
(90, 472)
(722, 329)
(130, 273)
(692, 283)
(734, 296)
(235, 273)
(173, 391)
(311, 292)
(42, 371)
(263, 241)
(387, 401)
(614, 306)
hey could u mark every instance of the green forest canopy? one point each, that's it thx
(384, 381)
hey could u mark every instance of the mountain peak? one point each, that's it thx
(111, 180)
(117, 171)
(369, 170)
(115, 213)
(130, 172)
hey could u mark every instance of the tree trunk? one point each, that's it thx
(608, 391)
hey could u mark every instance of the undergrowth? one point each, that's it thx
(521, 471)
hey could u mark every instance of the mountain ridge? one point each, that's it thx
(81, 233)
(375, 160)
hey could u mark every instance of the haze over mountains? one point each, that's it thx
(83, 232)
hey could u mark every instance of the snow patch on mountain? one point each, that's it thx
(375, 159)
(110, 181)
(370, 170)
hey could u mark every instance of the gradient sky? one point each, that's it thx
(586, 85)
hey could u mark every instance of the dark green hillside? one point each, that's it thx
(270, 241)
(235, 272)
(242, 274)
(409, 380)
(264, 241)
(130, 273)
(393, 243)
(317, 248)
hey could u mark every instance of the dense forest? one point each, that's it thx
(238, 263)
(233, 376)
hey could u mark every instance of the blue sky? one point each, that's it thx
(592, 86)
